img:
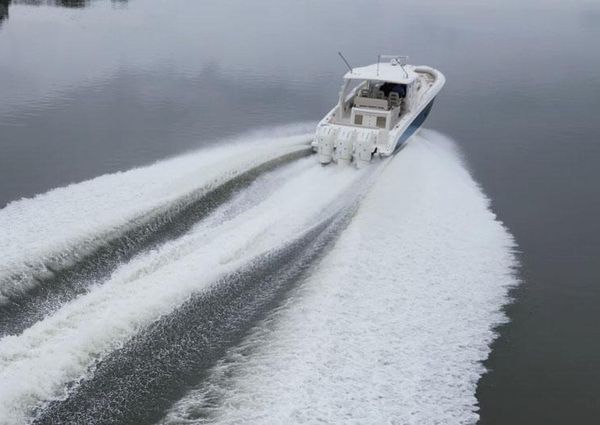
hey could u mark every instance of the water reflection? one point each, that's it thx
(4, 10)
(72, 4)
(134, 118)
(5, 5)
(57, 3)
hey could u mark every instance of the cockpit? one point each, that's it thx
(377, 104)
(384, 96)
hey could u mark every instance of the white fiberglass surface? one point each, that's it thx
(37, 365)
(392, 326)
(69, 221)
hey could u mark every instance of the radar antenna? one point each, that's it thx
(395, 60)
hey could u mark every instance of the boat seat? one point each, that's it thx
(369, 102)
(394, 99)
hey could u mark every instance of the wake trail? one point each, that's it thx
(392, 325)
(67, 356)
(49, 263)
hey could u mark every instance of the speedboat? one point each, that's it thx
(380, 107)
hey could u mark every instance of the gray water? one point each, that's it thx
(89, 88)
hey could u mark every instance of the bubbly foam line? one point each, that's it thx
(38, 365)
(176, 350)
(28, 307)
(393, 325)
(78, 218)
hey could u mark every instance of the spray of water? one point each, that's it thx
(37, 365)
(79, 219)
(393, 325)
(390, 327)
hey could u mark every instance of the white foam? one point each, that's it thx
(37, 365)
(67, 222)
(392, 327)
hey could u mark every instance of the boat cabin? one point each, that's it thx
(377, 96)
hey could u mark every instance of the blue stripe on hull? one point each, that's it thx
(414, 126)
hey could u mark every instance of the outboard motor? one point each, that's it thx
(363, 150)
(326, 143)
(345, 148)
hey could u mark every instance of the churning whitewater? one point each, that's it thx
(295, 294)
(80, 218)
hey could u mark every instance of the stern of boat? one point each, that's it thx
(345, 145)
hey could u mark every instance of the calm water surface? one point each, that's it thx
(88, 88)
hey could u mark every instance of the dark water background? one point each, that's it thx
(88, 88)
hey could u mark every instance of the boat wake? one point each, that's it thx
(92, 227)
(392, 326)
(273, 299)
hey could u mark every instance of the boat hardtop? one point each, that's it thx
(380, 107)
(389, 72)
